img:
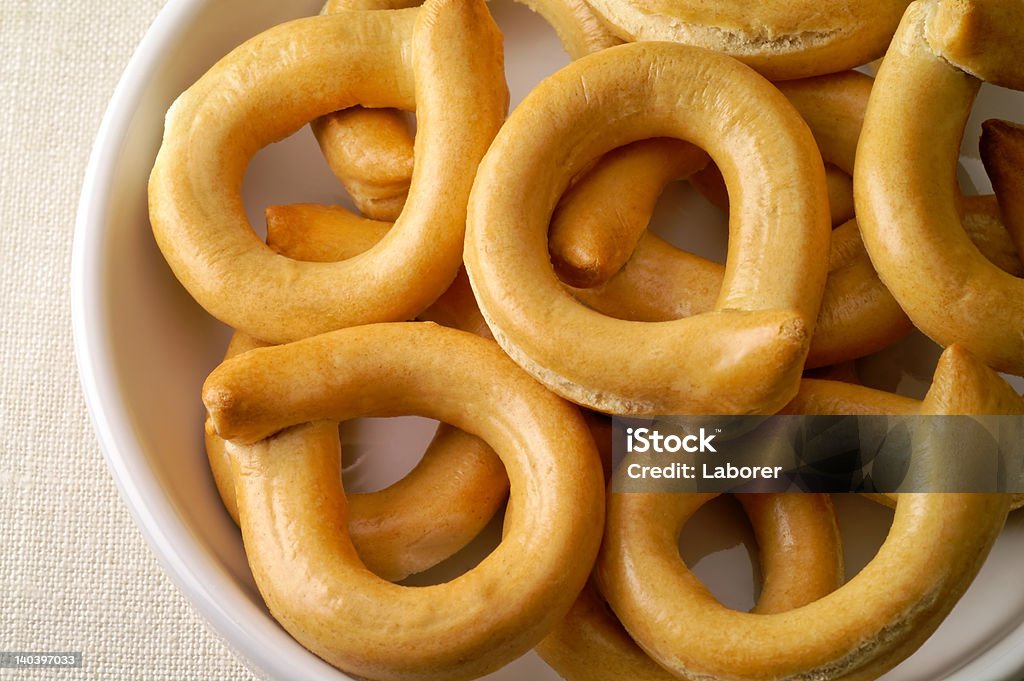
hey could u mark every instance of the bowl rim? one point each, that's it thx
(249, 636)
(240, 625)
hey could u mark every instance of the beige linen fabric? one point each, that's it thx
(75, 573)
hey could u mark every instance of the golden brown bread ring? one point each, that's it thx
(449, 51)
(934, 549)
(801, 560)
(597, 225)
(457, 630)
(413, 524)
(782, 40)
(747, 355)
(1002, 151)
(905, 192)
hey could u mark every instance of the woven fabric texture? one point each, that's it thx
(75, 572)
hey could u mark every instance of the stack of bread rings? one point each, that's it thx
(500, 278)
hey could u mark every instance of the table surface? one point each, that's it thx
(75, 572)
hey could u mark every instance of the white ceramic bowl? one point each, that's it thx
(144, 348)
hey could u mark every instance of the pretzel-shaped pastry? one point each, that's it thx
(448, 51)
(905, 180)
(935, 547)
(456, 630)
(744, 357)
(801, 560)
(782, 40)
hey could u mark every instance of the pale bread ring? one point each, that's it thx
(905, 191)
(744, 357)
(322, 594)
(801, 560)
(935, 548)
(449, 51)
(782, 40)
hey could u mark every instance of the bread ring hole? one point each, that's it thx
(863, 525)
(463, 561)
(290, 171)
(689, 221)
(718, 546)
(378, 452)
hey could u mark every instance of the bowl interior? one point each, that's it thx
(145, 348)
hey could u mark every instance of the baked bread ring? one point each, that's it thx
(935, 547)
(449, 52)
(747, 355)
(459, 483)
(413, 524)
(801, 559)
(905, 184)
(782, 40)
(323, 595)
